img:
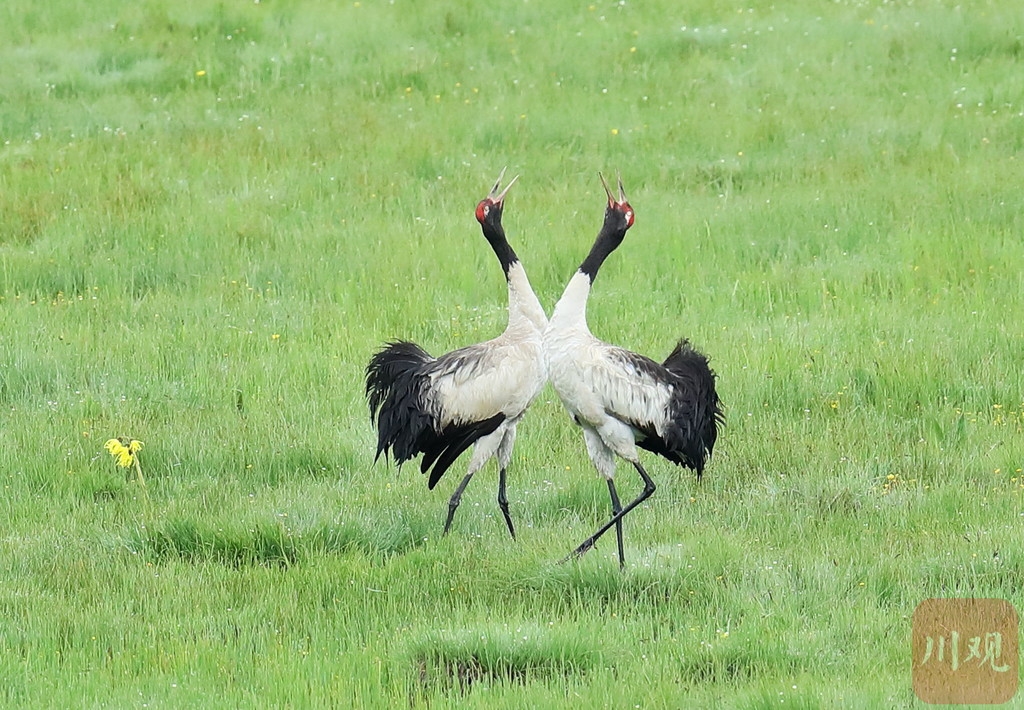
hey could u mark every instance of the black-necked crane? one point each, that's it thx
(473, 396)
(623, 400)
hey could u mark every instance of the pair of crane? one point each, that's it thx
(476, 395)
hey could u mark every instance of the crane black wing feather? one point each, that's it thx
(687, 433)
(395, 385)
(441, 450)
(398, 381)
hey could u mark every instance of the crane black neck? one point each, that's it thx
(502, 249)
(608, 240)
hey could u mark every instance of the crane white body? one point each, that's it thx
(500, 376)
(601, 385)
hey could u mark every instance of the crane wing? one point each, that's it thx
(627, 386)
(477, 382)
(672, 407)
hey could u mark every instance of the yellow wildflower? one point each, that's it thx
(126, 454)
(123, 453)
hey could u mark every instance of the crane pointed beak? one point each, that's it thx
(622, 190)
(497, 183)
(500, 197)
(607, 190)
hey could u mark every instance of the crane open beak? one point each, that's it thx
(607, 190)
(498, 197)
(611, 198)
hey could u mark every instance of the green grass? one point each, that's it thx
(212, 214)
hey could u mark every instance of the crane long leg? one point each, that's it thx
(646, 493)
(616, 509)
(503, 503)
(454, 501)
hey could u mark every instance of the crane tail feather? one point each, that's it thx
(694, 412)
(395, 387)
(397, 392)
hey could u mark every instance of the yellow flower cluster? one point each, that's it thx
(123, 450)
(891, 482)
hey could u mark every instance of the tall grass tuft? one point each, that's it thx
(455, 661)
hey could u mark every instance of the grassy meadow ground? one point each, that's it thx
(211, 214)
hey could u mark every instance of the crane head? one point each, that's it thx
(621, 205)
(495, 201)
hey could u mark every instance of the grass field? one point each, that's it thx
(211, 214)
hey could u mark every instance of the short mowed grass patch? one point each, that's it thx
(211, 215)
